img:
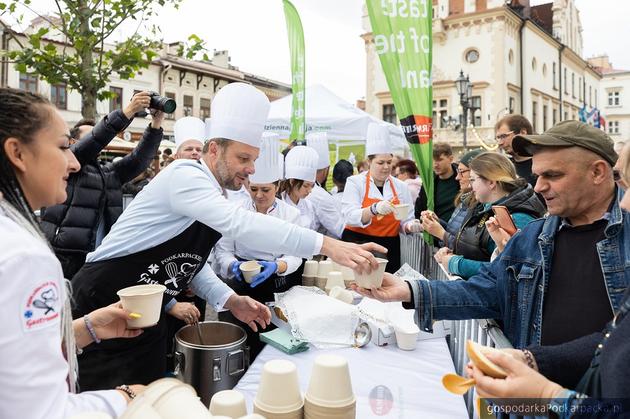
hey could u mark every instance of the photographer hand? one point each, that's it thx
(139, 102)
(157, 117)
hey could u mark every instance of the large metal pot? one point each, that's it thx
(213, 363)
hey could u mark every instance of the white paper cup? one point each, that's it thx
(279, 388)
(181, 402)
(321, 283)
(91, 415)
(324, 267)
(230, 403)
(330, 384)
(341, 294)
(311, 268)
(308, 281)
(159, 387)
(252, 416)
(314, 411)
(294, 414)
(401, 211)
(407, 338)
(250, 269)
(374, 279)
(145, 300)
(139, 408)
(335, 279)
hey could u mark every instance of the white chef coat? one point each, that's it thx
(328, 218)
(354, 192)
(186, 191)
(238, 196)
(226, 249)
(33, 370)
(307, 212)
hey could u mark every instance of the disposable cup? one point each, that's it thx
(321, 282)
(279, 388)
(334, 280)
(159, 387)
(324, 267)
(308, 281)
(330, 384)
(292, 414)
(91, 415)
(139, 408)
(250, 269)
(229, 403)
(401, 211)
(315, 411)
(373, 279)
(251, 416)
(181, 402)
(310, 268)
(145, 300)
(407, 338)
(341, 294)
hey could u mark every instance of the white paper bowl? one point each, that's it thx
(230, 403)
(181, 402)
(401, 211)
(279, 388)
(145, 300)
(250, 269)
(311, 267)
(330, 384)
(335, 279)
(341, 294)
(407, 338)
(374, 279)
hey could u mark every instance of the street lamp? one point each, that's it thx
(464, 90)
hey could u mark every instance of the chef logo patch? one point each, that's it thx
(42, 307)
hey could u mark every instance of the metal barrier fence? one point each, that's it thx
(419, 255)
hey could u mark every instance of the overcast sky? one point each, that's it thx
(254, 32)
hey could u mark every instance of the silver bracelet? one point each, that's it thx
(90, 328)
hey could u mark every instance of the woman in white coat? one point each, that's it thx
(279, 272)
(369, 200)
(300, 169)
(39, 339)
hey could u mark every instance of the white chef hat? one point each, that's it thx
(269, 162)
(239, 113)
(206, 136)
(188, 128)
(319, 142)
(377, 141)
(301, 163)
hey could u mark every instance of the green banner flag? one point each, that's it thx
(403, 40)
(296, 46)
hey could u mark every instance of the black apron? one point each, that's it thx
(391, 243)
(263, 293)
(140, 360)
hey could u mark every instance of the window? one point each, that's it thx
(566, 89)
(389, 114)
(28, 82)
(188, 105)
(116, 101)
(573, 84)
(555, 77)
(590, 95)
(595, 94)
(533, 64)
(544, 70)
(555, 116)
(545, 108)
(204, 108)
(534, 115)
(59, 95)
(566, 115)
(614, 98)
(440, 113)
(580, 88)
(476, 116)
(511, 57)
(511, 105)
(613, 127)
(170, 95)
(472, 56)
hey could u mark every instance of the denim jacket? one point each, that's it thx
(512, 288)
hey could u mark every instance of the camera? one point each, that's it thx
(160, 103)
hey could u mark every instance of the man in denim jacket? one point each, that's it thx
(573, 162)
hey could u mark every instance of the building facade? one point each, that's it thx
(614, 98)
(520, 59)
(191, 83)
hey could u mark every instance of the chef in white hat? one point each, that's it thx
(328, 217)
(370, 199)
(279, 271)
(189, 137)
(168, 230)
(300, 169)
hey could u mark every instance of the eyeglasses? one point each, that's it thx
(461, 172)
(503, 136)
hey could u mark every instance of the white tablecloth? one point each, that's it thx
(414, 379)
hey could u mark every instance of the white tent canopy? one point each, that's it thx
(328, 113)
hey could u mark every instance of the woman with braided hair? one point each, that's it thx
(39, 339)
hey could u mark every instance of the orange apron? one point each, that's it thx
(381, 226)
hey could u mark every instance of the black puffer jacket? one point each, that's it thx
(94, 193)
(472, 240)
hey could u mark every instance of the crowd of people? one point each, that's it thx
(556, 283)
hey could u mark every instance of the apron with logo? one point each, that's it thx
(383, 230)
(139, 360)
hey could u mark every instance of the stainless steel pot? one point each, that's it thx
(211, 358)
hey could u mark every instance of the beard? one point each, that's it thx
(225, 179)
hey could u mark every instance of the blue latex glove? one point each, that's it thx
(236, 270)
(269, 268)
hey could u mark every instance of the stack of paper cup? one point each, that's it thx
(329, 393)
(334, 280)
(325, 266)
(279, 395)
(252, 416)
(167, 398)
(230, 403)
(310, 273)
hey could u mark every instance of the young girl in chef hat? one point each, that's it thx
(300, 169)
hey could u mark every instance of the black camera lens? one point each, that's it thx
(163, 103)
